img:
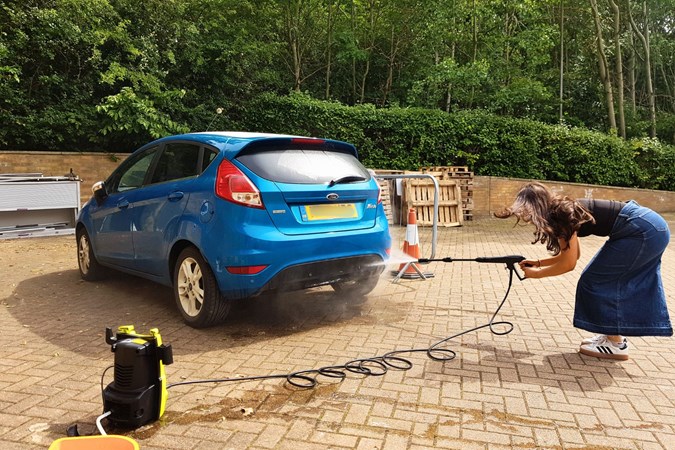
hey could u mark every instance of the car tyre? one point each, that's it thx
(360, 287)
(90, 269)
(196, 291)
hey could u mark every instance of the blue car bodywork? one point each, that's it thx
(292, 235)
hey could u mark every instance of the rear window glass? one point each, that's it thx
(303, 166)
(177, 161)
(209, 156)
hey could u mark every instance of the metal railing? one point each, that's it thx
(434, 226)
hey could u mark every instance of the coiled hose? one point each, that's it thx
(379, 365)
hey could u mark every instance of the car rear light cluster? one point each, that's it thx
(232, 185)
(379, 188)
(245, 270)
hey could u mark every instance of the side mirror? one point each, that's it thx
(100, 193)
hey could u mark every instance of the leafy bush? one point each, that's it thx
(129, 116)
(665, 128)
(657, 161)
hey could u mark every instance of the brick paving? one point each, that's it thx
(528, 389)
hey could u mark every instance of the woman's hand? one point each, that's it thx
(563, 262)
(529, 263)
(530, 267)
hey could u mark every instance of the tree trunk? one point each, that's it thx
(329, 47)
(391, 61)
(453, 46)
(372, 4)
(353, 57)
(294, 44)
(644, 38)
(448, 98)
(631, 72)
(604, 68)
(669, 90)
(618, 76)
(562, 65)
(474, 26)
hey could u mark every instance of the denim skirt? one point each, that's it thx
(620, 292)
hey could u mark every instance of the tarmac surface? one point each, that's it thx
(528, 389)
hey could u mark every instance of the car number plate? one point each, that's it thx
(332, 211)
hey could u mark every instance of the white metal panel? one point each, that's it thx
(38, 206)
(65, 216)
(39, 195)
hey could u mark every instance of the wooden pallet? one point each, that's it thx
(386, 187)
(449, 171)
(419, 195)
(464, 177)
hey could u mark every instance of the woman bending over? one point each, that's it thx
(620, 292)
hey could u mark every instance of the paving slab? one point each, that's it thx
(526, 389)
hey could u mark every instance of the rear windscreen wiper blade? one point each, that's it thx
(347, 179)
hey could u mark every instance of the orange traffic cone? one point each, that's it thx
(411, 247)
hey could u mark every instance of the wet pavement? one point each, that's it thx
(526, 389)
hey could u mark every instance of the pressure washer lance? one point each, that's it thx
(509, 260)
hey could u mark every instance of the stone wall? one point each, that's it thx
(490, 194)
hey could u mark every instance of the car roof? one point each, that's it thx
(235, 141)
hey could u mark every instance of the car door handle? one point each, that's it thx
(175, 196)
(123, 204)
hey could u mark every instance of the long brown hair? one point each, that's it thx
(553, 216)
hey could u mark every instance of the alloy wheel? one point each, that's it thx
(190, 287)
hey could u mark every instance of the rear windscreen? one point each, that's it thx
(303, 166)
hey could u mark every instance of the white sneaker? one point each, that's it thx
(594, 339)
(604, 348)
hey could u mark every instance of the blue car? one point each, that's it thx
(220, 216)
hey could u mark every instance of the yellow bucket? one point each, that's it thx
(107, 442)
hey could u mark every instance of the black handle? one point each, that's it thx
(510, 259)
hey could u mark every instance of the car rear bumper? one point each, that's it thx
(297, 262)
(302, 276)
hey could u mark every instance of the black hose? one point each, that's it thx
(376, 365)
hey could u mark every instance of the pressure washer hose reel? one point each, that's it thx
(138, 393)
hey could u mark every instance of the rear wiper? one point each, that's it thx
(346, 179)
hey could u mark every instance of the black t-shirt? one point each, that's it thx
(604, 212)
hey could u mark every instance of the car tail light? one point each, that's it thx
(245, 270)
(310, 141)
(379, 188)
(232, 185)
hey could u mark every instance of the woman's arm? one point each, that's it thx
(563, 262)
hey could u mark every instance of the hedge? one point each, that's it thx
(410, 138)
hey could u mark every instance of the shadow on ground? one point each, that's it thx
(58, 304)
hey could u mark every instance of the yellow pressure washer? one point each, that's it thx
(138, 393)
